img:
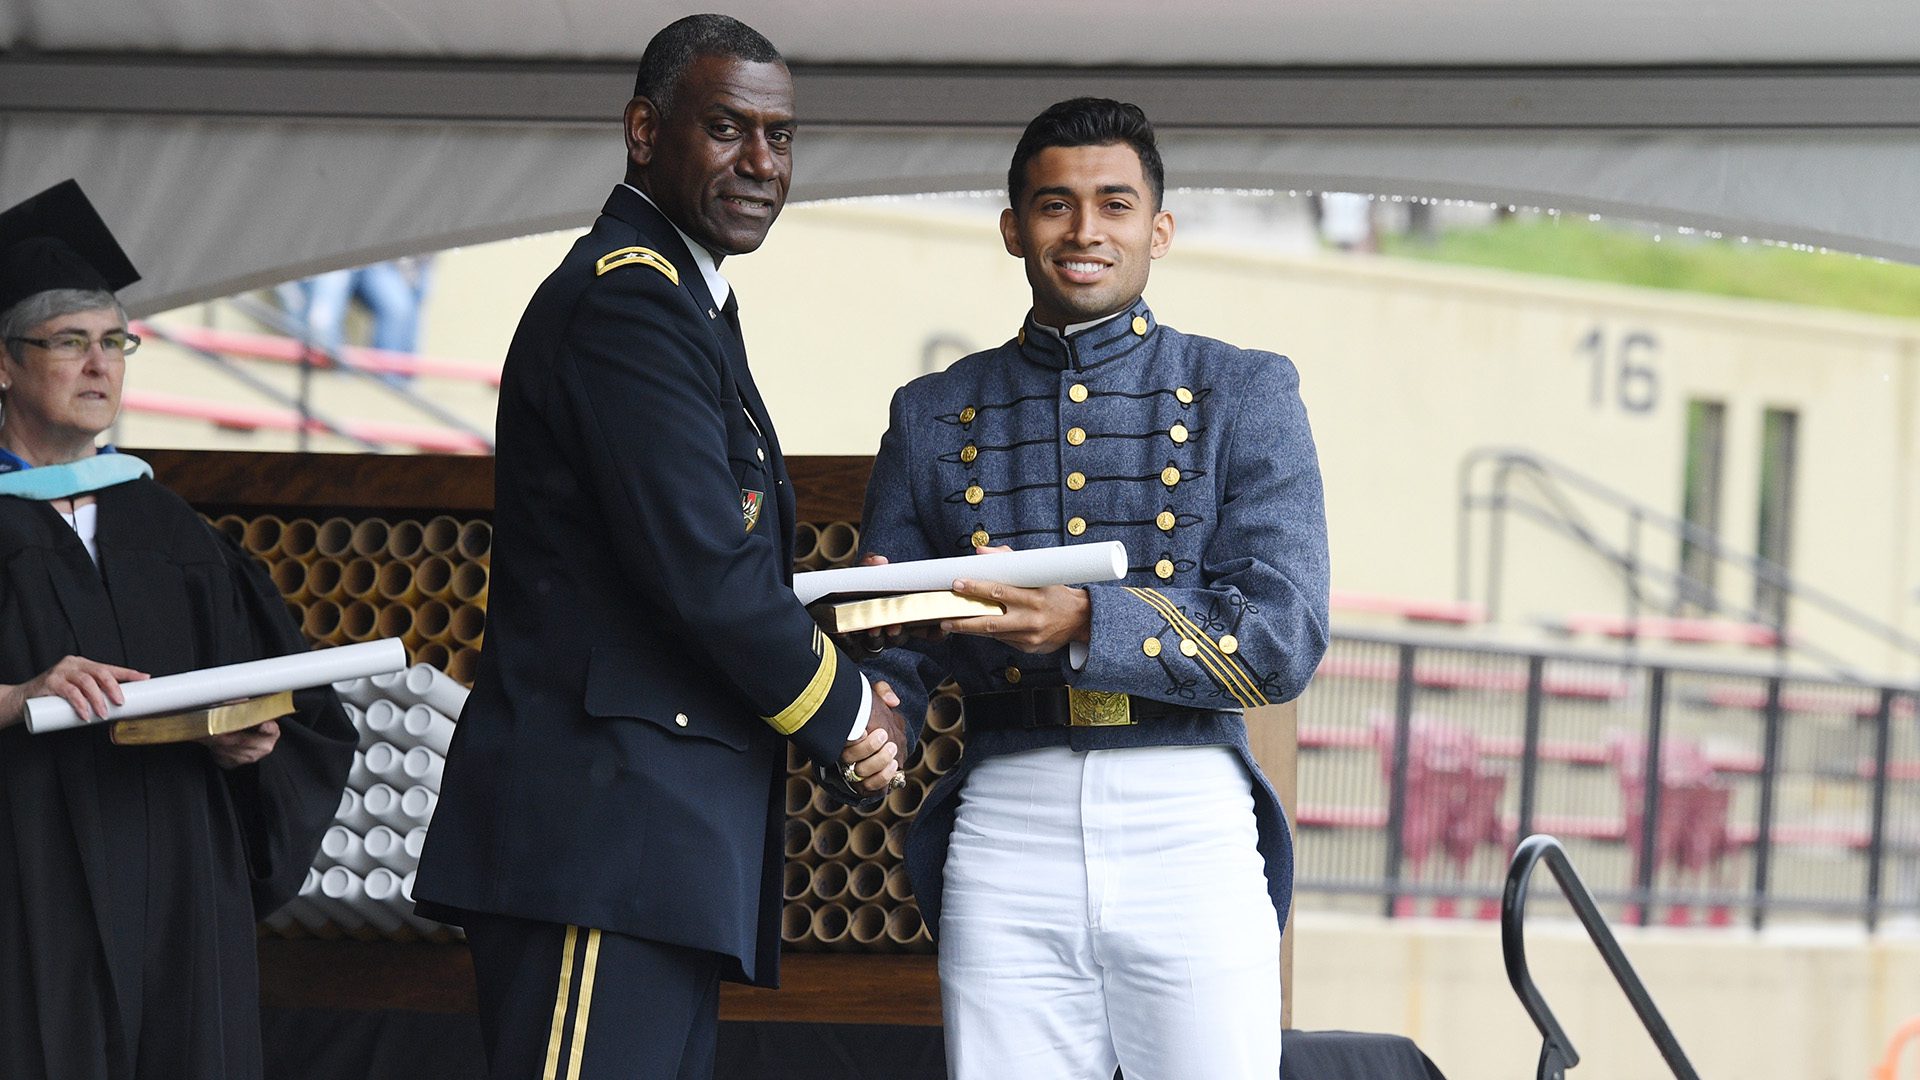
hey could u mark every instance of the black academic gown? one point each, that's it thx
(131, 878)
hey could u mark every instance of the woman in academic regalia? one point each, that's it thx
(131, 877)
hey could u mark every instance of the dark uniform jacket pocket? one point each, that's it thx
(634, 683)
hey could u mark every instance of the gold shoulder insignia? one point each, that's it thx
(627, 256)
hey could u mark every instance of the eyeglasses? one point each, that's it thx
(75, 346)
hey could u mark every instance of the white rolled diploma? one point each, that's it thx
(230, 682)
(1075, 564)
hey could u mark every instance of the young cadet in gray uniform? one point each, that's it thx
(609, 833)
(1107, 872)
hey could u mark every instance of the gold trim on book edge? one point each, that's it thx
(903, 609)
(795, 716)
(586, 1004)
(560, 1007)
(200, 723)
(627, 256)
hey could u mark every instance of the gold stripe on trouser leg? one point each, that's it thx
(560, 1006)
(586, 1004)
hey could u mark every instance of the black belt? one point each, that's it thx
(1061, 706)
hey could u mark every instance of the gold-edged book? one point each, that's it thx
(200, 723)
(900, 609)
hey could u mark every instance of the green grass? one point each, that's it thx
(1590, 251)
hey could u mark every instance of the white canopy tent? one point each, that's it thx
(234, 144)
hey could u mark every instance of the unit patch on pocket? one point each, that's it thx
(750, 507)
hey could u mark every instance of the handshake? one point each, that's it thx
(1020, 599)
(870, 765)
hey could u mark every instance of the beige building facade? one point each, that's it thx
(1407, 369)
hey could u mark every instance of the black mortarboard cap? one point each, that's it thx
(56, 240)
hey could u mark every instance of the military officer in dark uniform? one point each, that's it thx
(1107, 872)
(609, 833)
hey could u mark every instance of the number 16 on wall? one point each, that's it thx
(1626, 362)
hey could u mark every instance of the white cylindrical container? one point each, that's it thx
(424, 767)
(383, 721)
(353, 812)
(384, 761)
(343, 847)
(428, 685)
(340, 890)
(349, 890)
(385, 806)
(389, 684)
(388, 848)
(429, 727)
(306, 909)
(418, 803)
(387, 900)
(359, 718)
(416, 843)
(360, 778)
(355, 691)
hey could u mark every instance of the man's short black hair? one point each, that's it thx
(1088, 121)
(685, 40)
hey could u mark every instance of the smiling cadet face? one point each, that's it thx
(718, 163)
(1087, 228)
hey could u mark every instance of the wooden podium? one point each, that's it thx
(349, 974)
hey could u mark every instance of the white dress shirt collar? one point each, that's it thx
(702, 258)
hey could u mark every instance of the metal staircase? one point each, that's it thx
(1505, 481)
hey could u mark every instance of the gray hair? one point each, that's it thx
(21, 318)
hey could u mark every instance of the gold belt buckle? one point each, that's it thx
(1098, 708)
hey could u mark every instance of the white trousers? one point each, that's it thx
(1109, 908)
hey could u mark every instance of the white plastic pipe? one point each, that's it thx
(386, 892)
(306, 908)
(386, 806)
(357, 692)
(423, 767)
(384, 761)
(340, 912)
(428, 685)
(383, 722)
(360, 778)
(353, 812)
(427, 726)
(417, 805)
(230, 682)
(358, 717)
(387, 849)
(343, 847)
(348, 891)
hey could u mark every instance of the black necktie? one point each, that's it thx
(731, 309)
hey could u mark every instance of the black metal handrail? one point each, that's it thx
(1557, 1054)
(1550, 475)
